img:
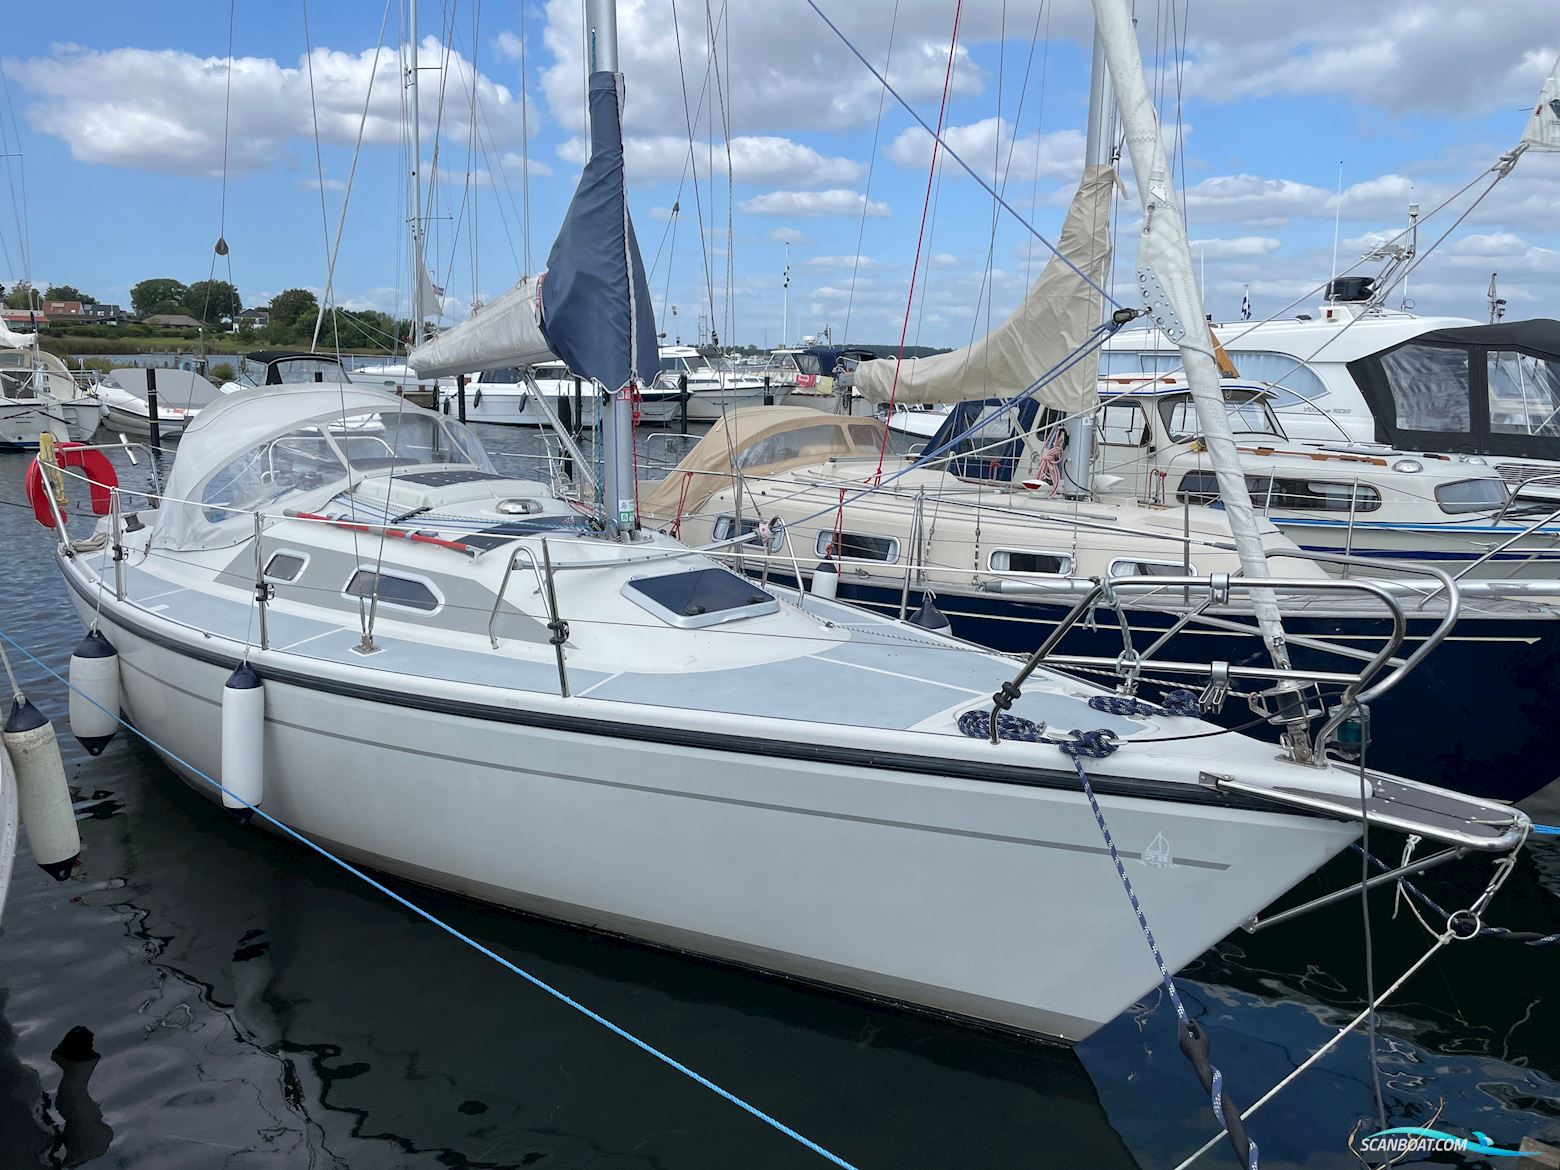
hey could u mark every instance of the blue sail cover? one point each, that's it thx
(596, 309)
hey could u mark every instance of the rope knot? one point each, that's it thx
(1094, 745)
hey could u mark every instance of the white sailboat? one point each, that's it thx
(38, 395)
(452, 675)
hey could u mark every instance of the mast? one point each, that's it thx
(419, 273)
(1169, 287)
(785, 298)
(620, 494)
(1099, 151)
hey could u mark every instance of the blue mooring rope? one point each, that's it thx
(534, 980)
(1097, 745)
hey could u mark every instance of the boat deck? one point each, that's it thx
(891, 677)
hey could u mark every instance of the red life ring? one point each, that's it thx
(100, 474)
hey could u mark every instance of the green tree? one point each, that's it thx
(211, 301)
(21, 296)
(67, 292)
(159, 294)
(292, 313)
(246, 331)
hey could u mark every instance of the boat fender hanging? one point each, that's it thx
(825, 580)
(94, 692)
(243, 742)
(41, 790)
(929, 617)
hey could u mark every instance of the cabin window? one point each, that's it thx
(1305, 495)
(1125, 567)
(726, 526)
(1248, 416)
(857, 546)
(866, 438)
(1524, 394)
(406, 592)
(816, 443)
(1123, 424)
(285, 566)
(700, 597)
(1471, 495)
(1429, 386)
(1021, 560)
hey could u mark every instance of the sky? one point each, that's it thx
(130, 146)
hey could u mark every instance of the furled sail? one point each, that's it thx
(430, 300)
(507, 332)
(591, 308)
(10, 340)
(1055, 319)
(1543, 128)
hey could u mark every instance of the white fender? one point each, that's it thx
(243, 741)
(94, 692)
(825, 579)
(41, 791)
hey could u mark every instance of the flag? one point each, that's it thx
(1245, 304)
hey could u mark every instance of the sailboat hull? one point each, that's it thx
(993, 900)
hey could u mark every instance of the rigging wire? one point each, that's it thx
(327, 296)
(319, 162)
(931, 176)
(18, 205)
(866, 196)
(222, 248)
(972, 172)
(698, 202)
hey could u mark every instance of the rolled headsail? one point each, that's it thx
(1543, 128)
(591, 308)
(1055, 319)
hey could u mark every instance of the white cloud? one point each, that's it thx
(1239, 247)
(835, 201)
(506, 45)
(783, 70)
(989, 147)
(857, 262)
(763, 159)
(162, 110)
(787, 235)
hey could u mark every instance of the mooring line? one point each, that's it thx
(534, 980)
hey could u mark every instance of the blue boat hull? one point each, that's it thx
(1475, 716)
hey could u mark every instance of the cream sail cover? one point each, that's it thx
(1056, 317)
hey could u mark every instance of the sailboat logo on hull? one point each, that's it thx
(1157, 855)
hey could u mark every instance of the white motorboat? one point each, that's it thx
(503, 397)
(465, 685)
(712, 392)
(125, 394)
(38, 395)
(1451, 511)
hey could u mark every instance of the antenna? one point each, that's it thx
(1337, 219)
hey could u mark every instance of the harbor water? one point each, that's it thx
(205, 994)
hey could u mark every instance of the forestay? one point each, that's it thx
(1052, 324)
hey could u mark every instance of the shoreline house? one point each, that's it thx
(171, 321)
(257, 318)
